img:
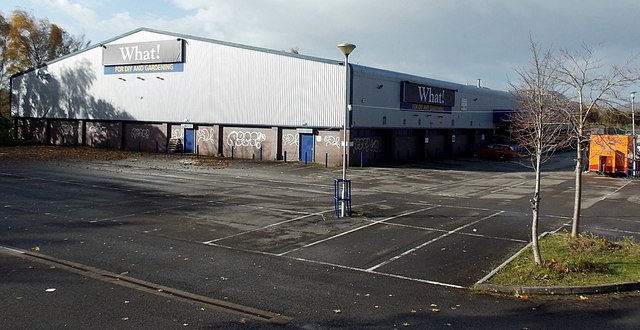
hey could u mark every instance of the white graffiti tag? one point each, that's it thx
(98, 131)
(366, 145)
(206, 134)
(66, 129)
(246, 139)
(177, 133)
(140, 133)
(290, 139)
(332, 141)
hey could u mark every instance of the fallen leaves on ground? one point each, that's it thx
(80, 154)
(523, 297)
(57, 153)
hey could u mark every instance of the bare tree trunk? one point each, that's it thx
(577, 201)
(535, 208)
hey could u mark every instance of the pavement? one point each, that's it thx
(159, 241)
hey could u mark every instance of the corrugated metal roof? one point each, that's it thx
(186, 36)
(370, 72)
(358, 69)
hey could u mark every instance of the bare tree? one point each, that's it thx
(538, 125)
(590, 85)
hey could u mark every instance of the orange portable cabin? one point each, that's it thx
(610, 154)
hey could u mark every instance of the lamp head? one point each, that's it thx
(633, 95)
(346, 48)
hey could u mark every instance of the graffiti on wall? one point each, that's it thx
(66, 129)
(332, 141)
(366, 145)
(39, 133)
(98, 131)
(140, 133)
(246, 139)
(290, 139)
(206, 135)
(177, 133)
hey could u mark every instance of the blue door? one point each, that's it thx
(306, 147)
(189, 141)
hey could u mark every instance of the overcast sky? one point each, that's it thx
(452, 40)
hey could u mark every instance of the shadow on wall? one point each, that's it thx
(145, 137)
(43, 95)
(103, 134)
(58, 110)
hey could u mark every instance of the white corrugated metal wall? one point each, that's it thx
(220, 84)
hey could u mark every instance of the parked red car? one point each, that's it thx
(494, 151)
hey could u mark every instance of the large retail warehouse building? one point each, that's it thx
(146, 90)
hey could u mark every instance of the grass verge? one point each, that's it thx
(584, 260)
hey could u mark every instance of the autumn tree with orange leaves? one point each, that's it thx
(28, 42)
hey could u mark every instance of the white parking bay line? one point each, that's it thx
(430, 241)
(448, 285)
(356, 269)
(303, 216)
(615, 191)
(268, 226)
(509, 187)
(356, 229)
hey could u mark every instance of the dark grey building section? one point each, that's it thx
(152, 90)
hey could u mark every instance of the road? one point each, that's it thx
(157, 242)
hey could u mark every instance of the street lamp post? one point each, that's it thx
(633, 135)
(346, 49)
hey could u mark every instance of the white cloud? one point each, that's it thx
(78, 12)
(443, 39)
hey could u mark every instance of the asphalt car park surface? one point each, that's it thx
(263, 236)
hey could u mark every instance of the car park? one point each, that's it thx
(494, 151)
